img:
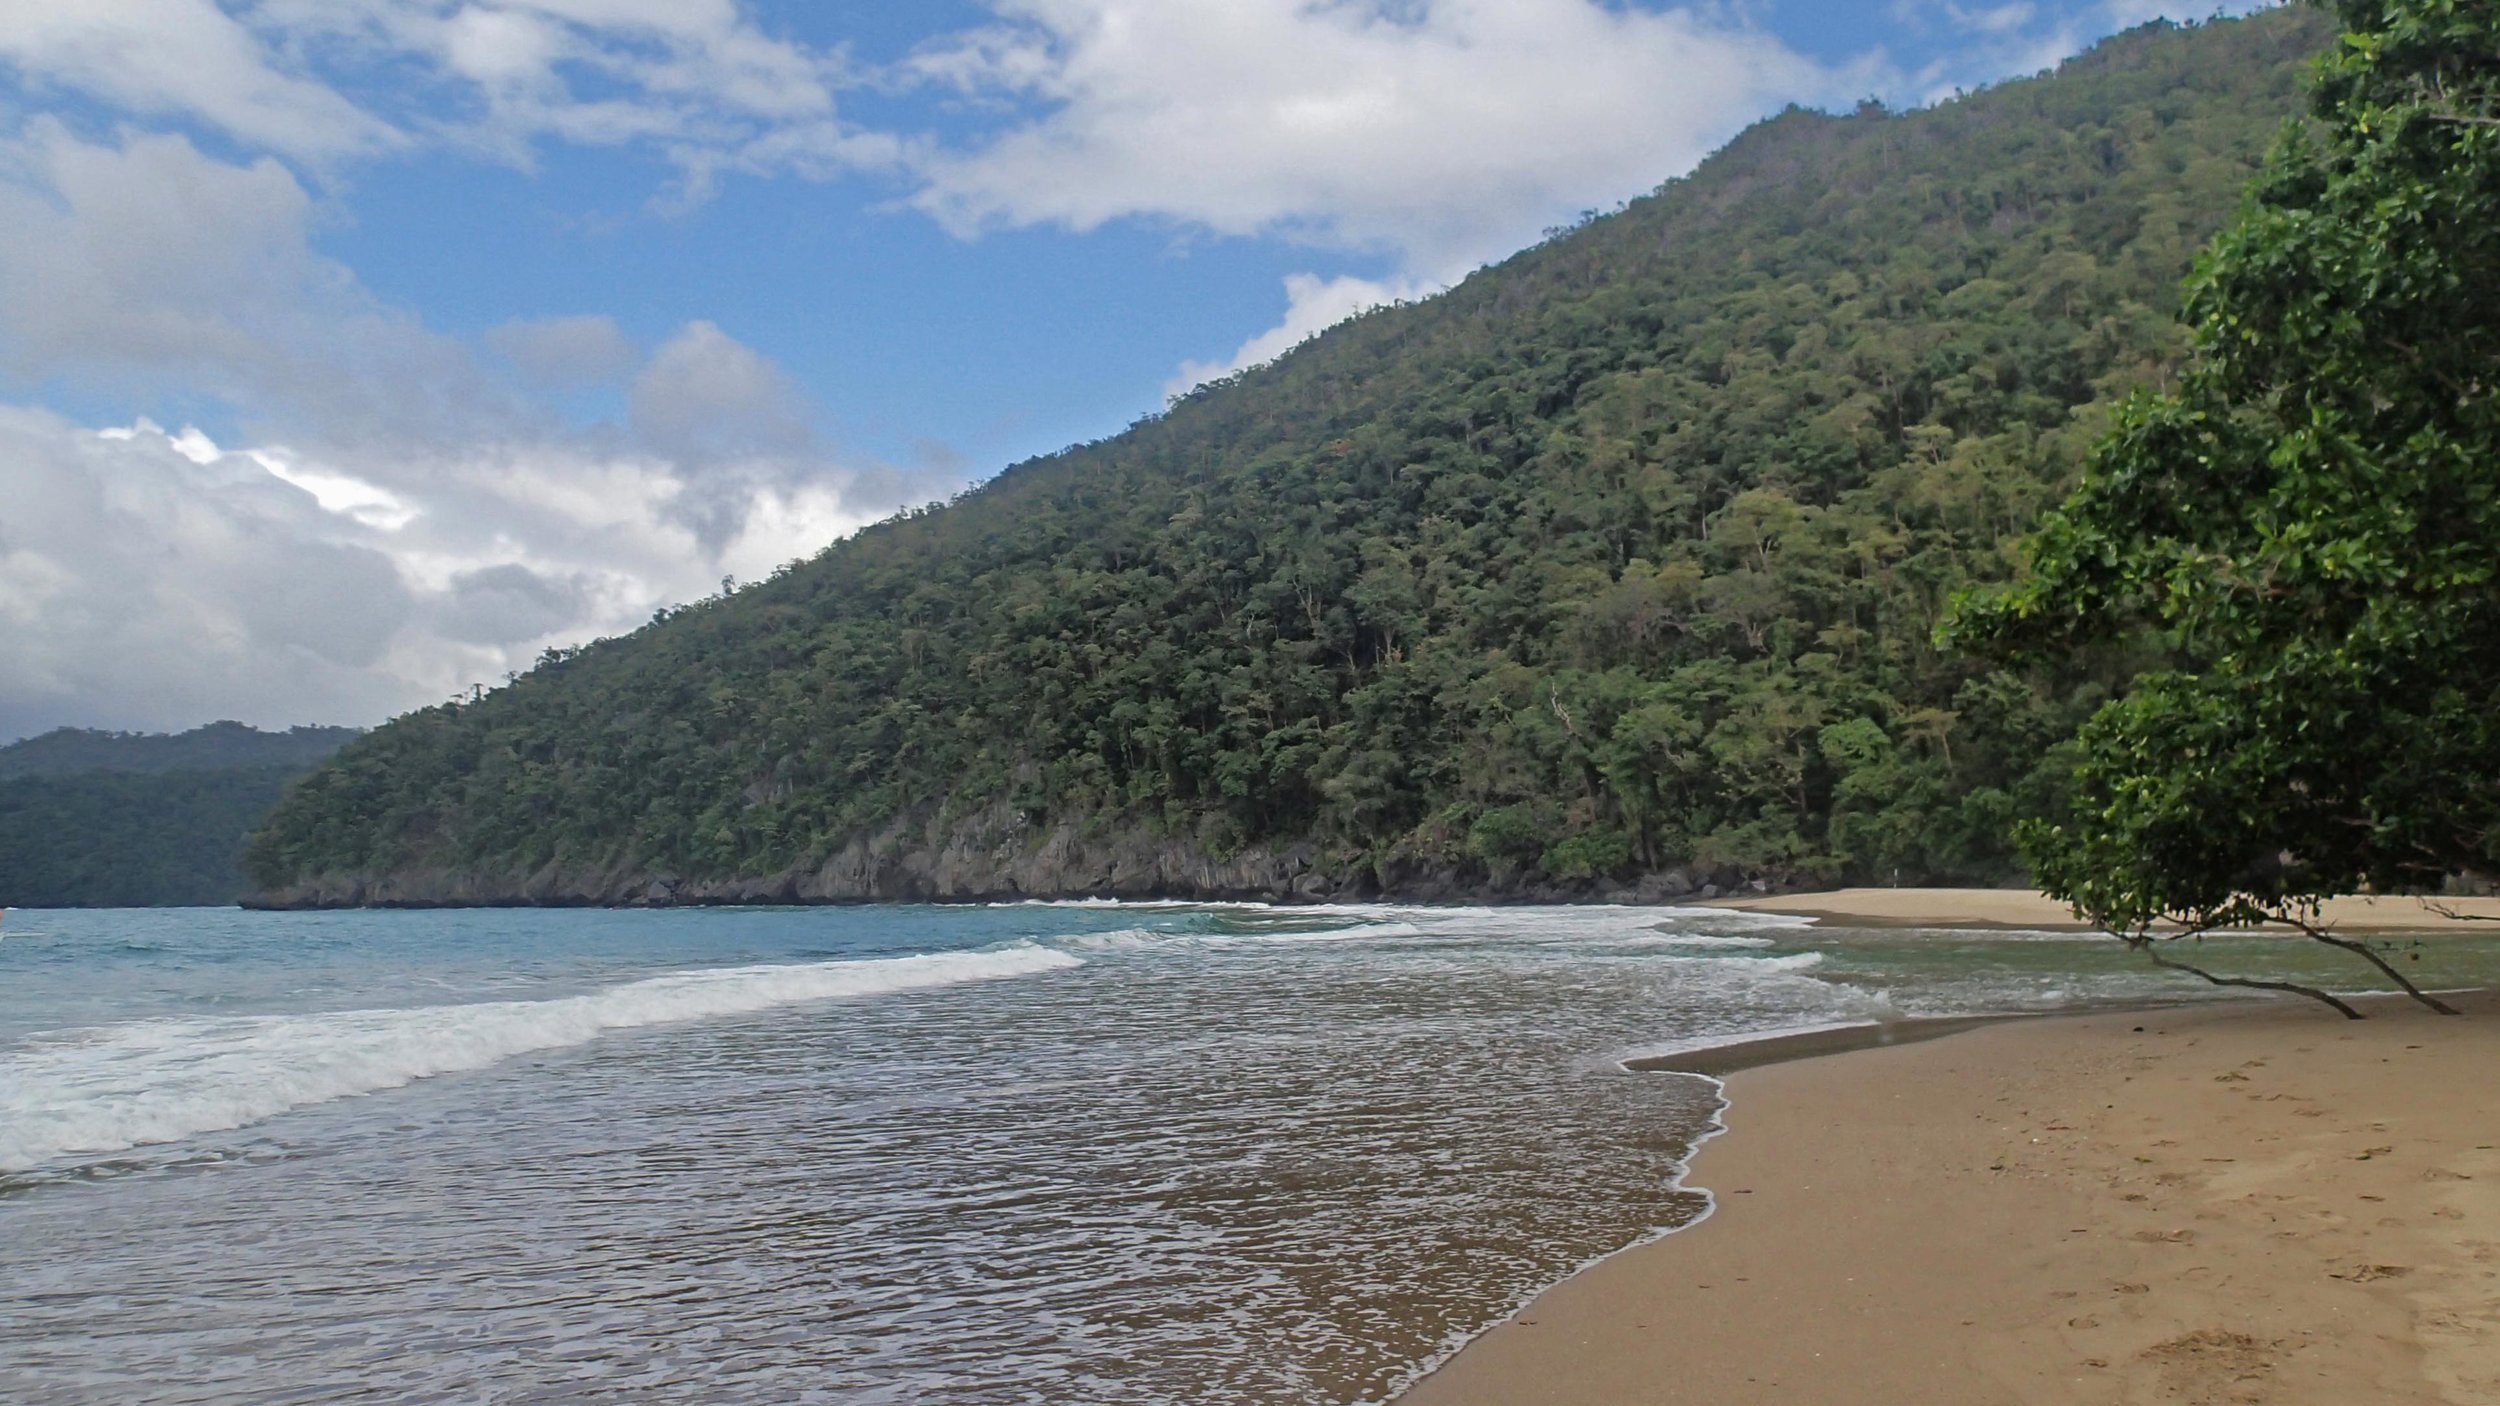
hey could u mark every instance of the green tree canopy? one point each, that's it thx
(2309, 523)
(1618, 563)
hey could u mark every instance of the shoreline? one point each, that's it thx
(2028, 910)
(2247, 1200)
(1720, 1059)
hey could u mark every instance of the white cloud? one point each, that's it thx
(149, 267)
(1312, 306)
(140, 587)
(406, 513)
(315, 80)
(706, 398)
(566, 353)
(1992, 42)
(1432, 134)
(1443, 131)
(150, 579)
(405, 520)
(146, 252)
(190, 58)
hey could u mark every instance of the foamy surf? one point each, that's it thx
(159, 1081)
(1205, 1160)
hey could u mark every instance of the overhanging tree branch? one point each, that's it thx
(2367, 953)
(2144, 942)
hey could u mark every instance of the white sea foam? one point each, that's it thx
(1144, 905)
(1356, 932)
(1577, 924)
(157, 1081)
(1134, 939)
(1793, 962)
(1734, 917)
(1695, 940)
(1122, 940)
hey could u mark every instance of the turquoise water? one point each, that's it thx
(1150, 1154)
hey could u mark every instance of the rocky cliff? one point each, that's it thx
(997, 855)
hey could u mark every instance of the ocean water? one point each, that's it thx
(1223, 1156)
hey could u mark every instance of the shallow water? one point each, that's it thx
(1148, 1154)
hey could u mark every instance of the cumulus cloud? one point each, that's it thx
(396, 513)
(509, 604)
(146, 265)
(706, 398)
(566, 353)
(1997, 40)
(1312, 306)
(1445, 131)
(1431, 135)
(146, 252)
(694, 80)
(155, 579)
(188, 58)
(402, 519)
(141, 586)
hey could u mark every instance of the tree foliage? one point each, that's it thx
(128, 839)
(2309, 523)
(218, 746)
(1624, 554)
(92, 819)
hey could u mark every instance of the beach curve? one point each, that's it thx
(2239, 1202)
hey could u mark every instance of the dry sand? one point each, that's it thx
(2022, 908)
(2254, 1202)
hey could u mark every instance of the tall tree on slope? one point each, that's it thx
(2311, 523)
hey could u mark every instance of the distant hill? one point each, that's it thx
(124, 820)
(220, 746)
(1613, 570)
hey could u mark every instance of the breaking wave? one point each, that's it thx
(157, 1081)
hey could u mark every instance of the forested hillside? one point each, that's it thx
(220, 746)
(130, 820)
(1615, 567)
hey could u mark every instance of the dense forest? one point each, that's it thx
(131, 820)
(1614, 569)
(219, 746)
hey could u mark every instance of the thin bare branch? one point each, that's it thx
(2366, 952)
(2452, 915)
(2146, 947)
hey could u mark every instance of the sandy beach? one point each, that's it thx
(2252, 1202)
(2026, 909)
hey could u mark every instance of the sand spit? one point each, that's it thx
(2026, 909)
(2246, 1203)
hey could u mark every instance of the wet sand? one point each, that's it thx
(2251, 1202)
(1719, 1061)
(2025, 909)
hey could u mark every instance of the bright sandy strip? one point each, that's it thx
(2256, 1202)
(2022, 908)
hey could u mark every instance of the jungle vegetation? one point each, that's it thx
(94, 819)
(1626, 554)
(2309, 519)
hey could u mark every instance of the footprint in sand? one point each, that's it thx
(2212, 1364)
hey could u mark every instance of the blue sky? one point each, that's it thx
(352, 351)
